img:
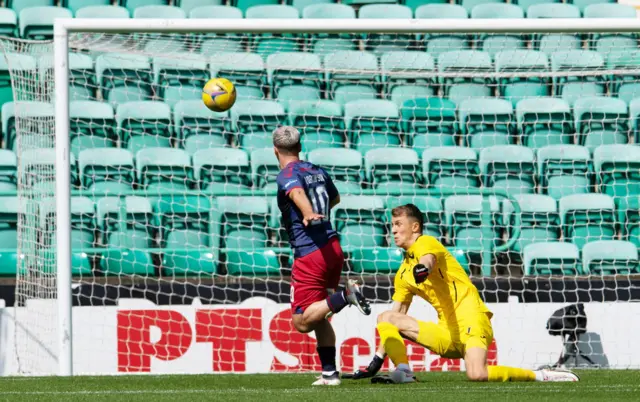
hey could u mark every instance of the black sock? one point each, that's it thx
(327, 358)
(337, 301)
(376, 364)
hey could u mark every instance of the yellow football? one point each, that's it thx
(219, 94)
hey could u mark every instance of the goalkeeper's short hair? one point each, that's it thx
(410, 211)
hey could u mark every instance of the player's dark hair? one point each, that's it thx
(411, 212)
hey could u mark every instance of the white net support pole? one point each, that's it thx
(63, 203)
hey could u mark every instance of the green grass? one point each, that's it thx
(596, 385)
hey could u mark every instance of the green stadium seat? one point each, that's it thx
(587, 217)
(326, 46)
(463, 61)
(220, 45)
(154, 11)
(551, 258)
(376, 260)
(300, 5)
(544, 121)
(624, 86)
(551, 43)
(159, 168)
(127, 262)
(256, 115)
(102, 10)
(441, 10)
(215, 12)
(131, 5)
(195, 261)
(432, 121)
(617, 169)
(92, 119)
(576, 60)
(100, 168)
(600, 121)
(253, 263)
(267, 11)
(629, 218)
(8, 170)
(320, 122)
(360, 221)
(243, 222)
(516, 89)
(245, 70)
(381, 43)
(268, 44)
(615, 45)
(372, 124)
(564, 170)
(609, 10)
(583, 4)
(450, 168)
(497, 10)
(19, 5)
(508, 167)
(349, 93)
(610, 257)
(465, 91)
(539, 220)
(20, 64)
(9, 260)
(264, 168)
(399, 94)
(221, 170)
(245, 4)
(8, 22)
(83, 221)
(188, 5)
(486, 122)
(293, 68)
(326, 10)
(178, 74)
(389, 168)
(182, 212)
(289, 95)
(442, 43)
(463, 218)
(404, 68)
(186, 239)
(143, 119)
(494, 44)
(525, 4)
(553, 10)
(11, 208)
(125, 221)
(115, 70)
(37, 22)
(29, 111)
(342, 164)
(469, 5)
(197, 127)
(355, 69)
(38, 165)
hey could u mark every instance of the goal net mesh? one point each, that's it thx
(520, 150)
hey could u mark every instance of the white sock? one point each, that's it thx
(539, 376)
(379, 355)
(404, 367)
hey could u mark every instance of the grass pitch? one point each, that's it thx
(596, 385)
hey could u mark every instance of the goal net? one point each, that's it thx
(520, 149)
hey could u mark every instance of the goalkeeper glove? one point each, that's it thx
(420, 273)
(371, 370)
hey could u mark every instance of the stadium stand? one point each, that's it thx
(564, 149)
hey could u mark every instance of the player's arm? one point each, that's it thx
(423, 268)
(298, 196)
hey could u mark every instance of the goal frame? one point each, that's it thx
(63, 27)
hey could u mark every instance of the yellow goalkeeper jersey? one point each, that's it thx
(447, 288)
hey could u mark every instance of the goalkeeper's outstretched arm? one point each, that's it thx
(378, 358)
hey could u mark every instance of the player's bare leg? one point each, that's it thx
(475, 361)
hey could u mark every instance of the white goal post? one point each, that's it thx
(64, 28)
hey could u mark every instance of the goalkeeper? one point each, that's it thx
(463, 329)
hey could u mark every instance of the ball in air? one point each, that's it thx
(219, 94)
